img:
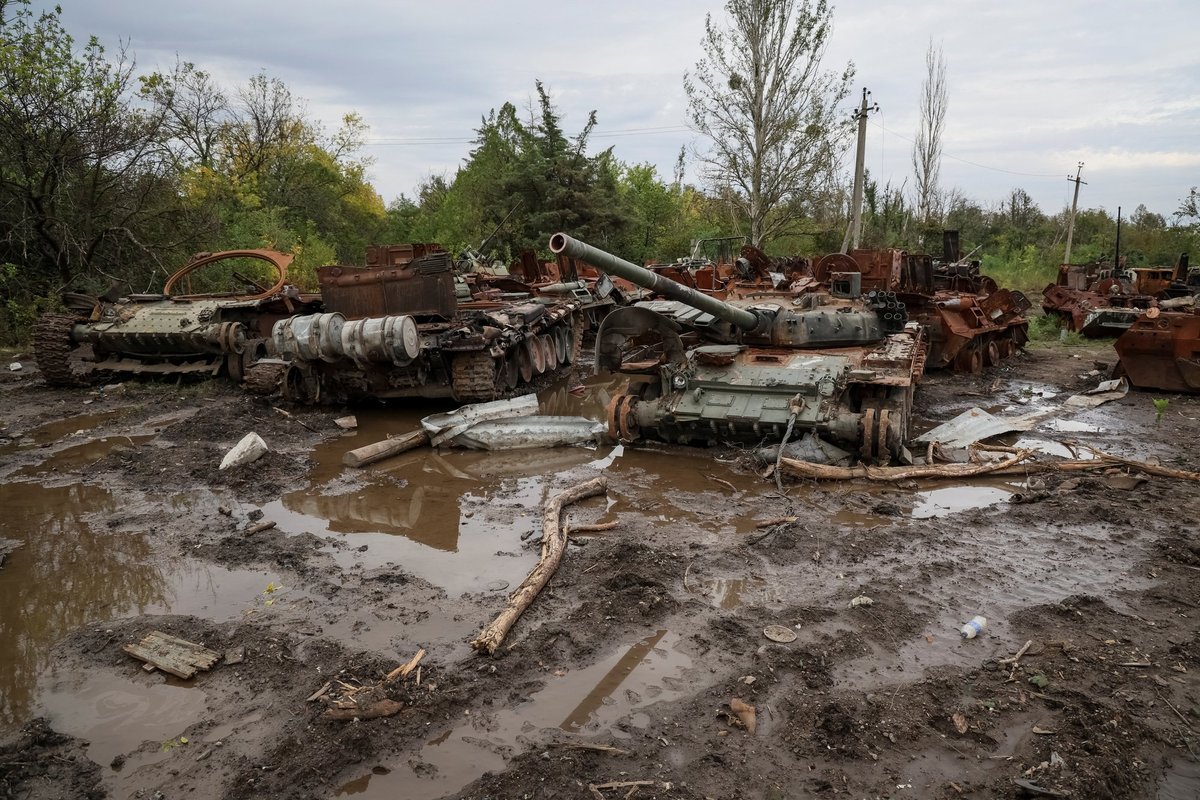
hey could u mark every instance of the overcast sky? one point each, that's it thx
(1034, 87)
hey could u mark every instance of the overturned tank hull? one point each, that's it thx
(763, 366)
(1161, 350)
(170, 333)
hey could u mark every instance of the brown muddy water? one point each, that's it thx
(462, 521)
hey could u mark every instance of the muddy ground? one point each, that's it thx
(623, 670)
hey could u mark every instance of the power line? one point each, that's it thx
(976, 164)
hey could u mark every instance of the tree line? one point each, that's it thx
(111, 176)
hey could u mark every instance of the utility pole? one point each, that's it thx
(1074, 205)
(854, 232)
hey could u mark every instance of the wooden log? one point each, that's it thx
(594, 527)
(260, 527)
(380, 708)
(554, 544)
(378, 451)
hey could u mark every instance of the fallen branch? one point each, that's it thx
(403, 670)
(319, 693)
(369, 454)
(554, 544)
(259, 528)
(805, 469)
(293, 418)
(771, 523)
(595, 527)
(1017, 464)
(599, 748)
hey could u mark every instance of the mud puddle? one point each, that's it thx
(53, 431)
(588, 701)
(74, 569)
(446, 515)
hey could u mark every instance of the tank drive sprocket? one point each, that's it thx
(473, 377)
(54, 351)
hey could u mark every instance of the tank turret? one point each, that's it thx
(838, 365)
(770, 318)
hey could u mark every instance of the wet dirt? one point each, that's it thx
(640, 640)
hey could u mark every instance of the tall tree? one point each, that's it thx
(83, 187)
(927, 149)
(770, 110)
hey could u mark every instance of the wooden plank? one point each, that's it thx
(176, 656)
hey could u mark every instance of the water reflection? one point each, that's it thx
(66, 574)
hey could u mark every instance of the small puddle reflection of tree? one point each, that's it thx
(64, 576)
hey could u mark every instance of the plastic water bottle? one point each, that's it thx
(973, 628)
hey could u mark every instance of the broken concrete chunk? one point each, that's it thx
(249, 449)
(347, 423)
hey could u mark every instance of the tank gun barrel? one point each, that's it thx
(739, 317)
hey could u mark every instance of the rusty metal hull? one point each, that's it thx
(1162, 351)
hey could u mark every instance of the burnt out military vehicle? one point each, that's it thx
(747, 370)
(410, 325)
(175, 331)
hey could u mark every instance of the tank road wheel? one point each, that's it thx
(991, 353)
(884, 427)
(562, 345)
(54, 351)
(537, 355)
(548, 353)
(969, 359)
(473, 377)
(523, 354)
(511, 371)
(622, 421)
(1005, 345)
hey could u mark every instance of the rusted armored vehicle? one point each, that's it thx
(1100, 300)
(176, 331)
(1161, 348)
(412, 324)
(749, 370)
(972, 322)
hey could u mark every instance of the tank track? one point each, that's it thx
(52, 348)
(473, 377)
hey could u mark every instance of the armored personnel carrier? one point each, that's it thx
(174, 332)
(753, 369)
(412, 325)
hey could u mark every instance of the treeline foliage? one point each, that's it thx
(110, 176)
(1020, 244)
(525, 179)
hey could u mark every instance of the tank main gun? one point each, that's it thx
(754, 321)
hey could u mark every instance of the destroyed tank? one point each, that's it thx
(172, 332)
(758, 369)
(411, 325)
(972, 323)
